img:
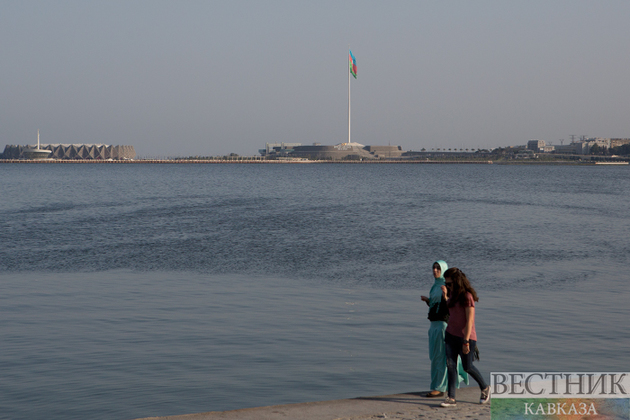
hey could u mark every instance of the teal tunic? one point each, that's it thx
(437, 351)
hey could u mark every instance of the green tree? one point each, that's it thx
(623, 150)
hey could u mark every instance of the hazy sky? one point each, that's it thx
(181, 78)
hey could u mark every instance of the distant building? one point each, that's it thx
(74, 151)
(384, 151)
(586, 145)
(278, 149)
(445, 153)
(535, 145)
(342, 151)
(565, 149)
(618, 142)
(583, 147)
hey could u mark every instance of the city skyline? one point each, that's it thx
(199, 78)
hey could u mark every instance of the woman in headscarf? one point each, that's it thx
(438, 315)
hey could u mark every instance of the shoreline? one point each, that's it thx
(303, 162)
(406, 406)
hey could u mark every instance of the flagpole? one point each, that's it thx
(349, 101)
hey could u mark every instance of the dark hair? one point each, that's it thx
(461, 286)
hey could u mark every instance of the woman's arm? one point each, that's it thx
(470, 321)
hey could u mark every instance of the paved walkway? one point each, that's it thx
(401, 406)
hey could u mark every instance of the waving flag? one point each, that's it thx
(353, 64)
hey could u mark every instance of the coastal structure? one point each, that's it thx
(277, 149)
(535, 145)
(618, 142)
(580, 147)
(71, 151)
(342, 151)
(36, 152)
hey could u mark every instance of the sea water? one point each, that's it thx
(150, 290)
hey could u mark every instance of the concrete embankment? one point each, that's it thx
(399, 406)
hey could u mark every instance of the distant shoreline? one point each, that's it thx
(260, 161)
(232, 161)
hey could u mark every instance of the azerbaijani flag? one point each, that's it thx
(353, 64)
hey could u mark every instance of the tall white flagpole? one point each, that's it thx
(349, 95)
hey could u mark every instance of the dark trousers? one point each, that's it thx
(453, 346)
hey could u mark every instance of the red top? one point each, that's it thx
(457, 318)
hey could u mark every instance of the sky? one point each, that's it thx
(208, 78)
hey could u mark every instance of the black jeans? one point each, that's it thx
(453, 346)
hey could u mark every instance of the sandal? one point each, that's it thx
(434, 394)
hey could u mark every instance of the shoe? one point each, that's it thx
(485, 395)
(449, 402)
(434, 394)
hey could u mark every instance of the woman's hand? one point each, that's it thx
(444, 292)
(424, 299)
(465, 348)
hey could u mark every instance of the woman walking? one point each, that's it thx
(438, 315)
(460, 337)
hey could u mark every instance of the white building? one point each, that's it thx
(535, 145)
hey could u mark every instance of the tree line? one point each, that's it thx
(623, 150)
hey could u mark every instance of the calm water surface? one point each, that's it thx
(143, 290)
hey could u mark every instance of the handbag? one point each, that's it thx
(439, 312)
